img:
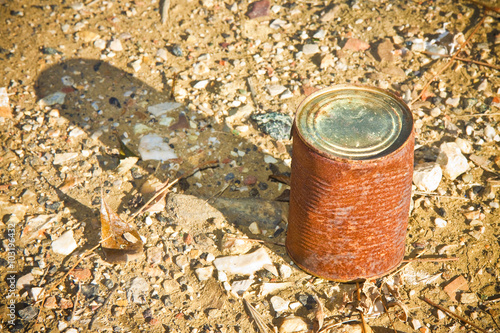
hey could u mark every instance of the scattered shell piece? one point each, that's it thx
(427, 176)
(451, 160)
(238, 288)
(268, 288)
(246, 264)
(64, 157)
(153, 147)
(65, 244)
(204, 273)
(440, 223)
(293, 324)
(163, 108)
(115, 45)
(279, 305)
(53, 99)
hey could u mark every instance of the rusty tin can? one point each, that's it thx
(352, 168)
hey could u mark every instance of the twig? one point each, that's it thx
(438, 195)
(172, 90)
(484, 114)
(94, 317)
(494, 9)
(388, 315)
(455, 55)
(452, 314)
(76, 301)
(363, 322)
(256, 240)
(481, 63)
(327, 327)
(252, 92)
(257, 317)
(164, 7)
(430, 259)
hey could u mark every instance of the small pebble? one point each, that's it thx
(177, 51)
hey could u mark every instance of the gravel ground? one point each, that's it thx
(220, 81)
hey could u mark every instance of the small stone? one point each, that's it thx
(459, 283)
(275, 90)
(269, 159)
(279, 305)
(483, 85)
(327, 61)
(76, 132)
(177, 51)
(415, 323)
(453, 101)
(354, 44)
(162, 54)
(293, 324)
(182, 261)
(108, 283)
(90, 291)
(138, 290)
(240, 287)
(427, 176)
(50, 303)
(36, 293)
(320, 34)
(153, 147)
(204, 273)
(451, 160)
(65, 304)
(276, 124)
(24, 281)
(88, 36)
(136, 65)
(308, 49)
(100, 44)
(115, 45)
(468, 298)
(270, 287)
(254, 228)
(286, 94)
(440, 223)
(154, 255)
(285, 271)
(65, 244)
(162, 108)
(64, 157)
(464, 145)
(440, 314)
(250, 180)
(81, 274)
(28, 313)
(385, 51)
(246, 264)
(201, 84)
(53, 99)
(258, 9)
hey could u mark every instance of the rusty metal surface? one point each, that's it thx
(348, 218)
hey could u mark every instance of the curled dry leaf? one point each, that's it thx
(120, 242)
(402, 316)
(319, 315)
(257, 317)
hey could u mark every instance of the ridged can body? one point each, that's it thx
(348, 214)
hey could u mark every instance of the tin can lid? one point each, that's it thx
(354, 122)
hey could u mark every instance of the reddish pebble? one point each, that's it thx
(250, 180)
(50, 303)
(308, 90)
(188, 239)
(354, 44)
(258, 9)
(153, 321)
(67, 90)
(65, 303)
(81, 274)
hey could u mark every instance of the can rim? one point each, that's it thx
(397, 142)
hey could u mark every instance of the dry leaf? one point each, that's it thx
(257, 317)
(403, 316)
(120, 242)
(319, 315)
